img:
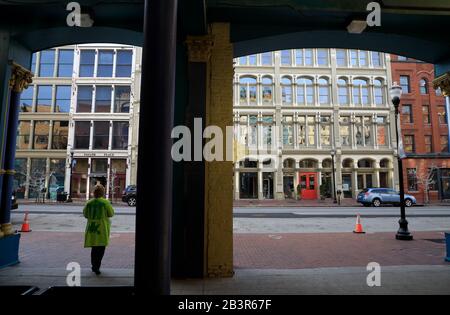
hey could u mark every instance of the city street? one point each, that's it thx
(68, 218)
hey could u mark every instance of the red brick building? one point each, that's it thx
(425, 130)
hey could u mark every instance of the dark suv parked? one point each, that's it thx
(129, 195)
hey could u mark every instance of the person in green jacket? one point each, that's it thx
(98, 212)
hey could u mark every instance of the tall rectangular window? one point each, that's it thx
(87, 63)
(103, 99)
(60, 134)
(122, 99)
(266, 59)
(345, 131)
(286, 58)
(426, 114)
(444, 143)
(82, 134)
(101, 135)
(382, 131)
(33, 63)
(23, 135)
(62, 102)
(299, 56)
(288, 132)
(428, 144)
(354, 57)
(47, 63)
(26, 99)
(409, 144)
(123, 64)
(308, 57)
(376, 59)
(120, 135)
(322, 57)
(41, 132)
(253, 60)
(407, 114)
(65, 63)
(44, 98)
(84, 99)
(404, 83)
(411, 174)
(363, 58)
(105, 63)
(341, 57)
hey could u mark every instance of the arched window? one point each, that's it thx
(267, 90)
(247, 163)
(289, 163)
(385, 163)
(347, 163)
(326, 163)
(360, 92)
(247, 91)
(308, 164)
(324, 91)
(423, 86)
(378, 92)
(343, 92)
(365, 163)
(305, 91)
(286, 90)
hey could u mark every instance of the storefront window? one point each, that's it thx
(37, 177)
(20, 178)
(56, 178)
(412, 179)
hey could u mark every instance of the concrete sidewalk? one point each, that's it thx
(404, 280)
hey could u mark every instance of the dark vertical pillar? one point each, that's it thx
(154, 179)
(194, 176)
(20, 79)
(4, 106)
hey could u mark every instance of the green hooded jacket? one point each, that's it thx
(97, 212)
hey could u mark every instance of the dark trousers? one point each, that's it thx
(97, 253)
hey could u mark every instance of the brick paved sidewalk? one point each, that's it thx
(252, 251)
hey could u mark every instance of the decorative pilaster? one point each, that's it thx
(443, 82)
(199, 48)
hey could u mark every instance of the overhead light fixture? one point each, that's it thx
(357, 26)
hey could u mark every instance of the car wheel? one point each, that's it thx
(132, 201)
(376, 202)
(408, 203)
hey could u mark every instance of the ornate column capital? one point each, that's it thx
(20, 78)
(199, 48)
(443, 82)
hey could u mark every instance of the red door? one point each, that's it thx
(308, 183)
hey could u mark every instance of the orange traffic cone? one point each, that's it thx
(358, 226)
(26, 225)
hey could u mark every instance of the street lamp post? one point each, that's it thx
(69, 196)
(403, 232)
(333, 153)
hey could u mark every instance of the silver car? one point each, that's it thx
(378, 196)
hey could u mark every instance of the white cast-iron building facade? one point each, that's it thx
(304, 105)
(81, 110)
